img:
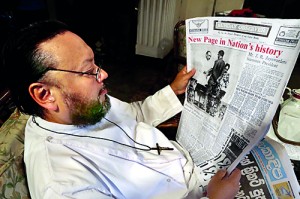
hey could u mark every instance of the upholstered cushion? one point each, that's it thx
(12, 171)
(180, 44)
(182, 41)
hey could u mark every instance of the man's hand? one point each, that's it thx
(181, 80)
(222, 186)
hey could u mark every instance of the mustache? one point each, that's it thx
(100, 91)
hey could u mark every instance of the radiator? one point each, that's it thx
(156, 20)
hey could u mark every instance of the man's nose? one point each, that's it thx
(104, 74)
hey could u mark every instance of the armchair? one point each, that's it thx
(12, 167)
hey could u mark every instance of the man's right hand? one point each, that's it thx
(181, 80)
(222, 186)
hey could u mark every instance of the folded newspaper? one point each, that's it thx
(242, 68)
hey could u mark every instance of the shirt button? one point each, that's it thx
(168, 180)
(49, 138)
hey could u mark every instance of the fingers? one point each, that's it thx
(184, 69)
(181, 80)
(192, 72)
(221, 174)
(223, 186)
(187, 75)
(235, 176)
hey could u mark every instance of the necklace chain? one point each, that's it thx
(147, 148)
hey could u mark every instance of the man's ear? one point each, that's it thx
(43, 95)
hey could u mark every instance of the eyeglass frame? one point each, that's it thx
(97, 74)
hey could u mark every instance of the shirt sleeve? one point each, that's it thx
(84, 193)
(154, 110)
(158, 108)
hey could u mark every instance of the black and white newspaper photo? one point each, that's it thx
(242, 68)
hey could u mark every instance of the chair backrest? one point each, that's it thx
(12, 168)
(180, 44)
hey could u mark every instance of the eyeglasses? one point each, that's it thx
(97, 74)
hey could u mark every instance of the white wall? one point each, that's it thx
(157, 18)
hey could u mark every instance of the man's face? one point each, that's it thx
(80, 99)
(226, 68)
(208, 55)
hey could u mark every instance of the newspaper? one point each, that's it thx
(267, 173)
(242, 68)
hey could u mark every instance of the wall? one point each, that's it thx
(156, 22)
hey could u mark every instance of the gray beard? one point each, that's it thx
(87, 113)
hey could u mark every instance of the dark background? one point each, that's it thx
(113, 23)
(286, 9)
(110, 26)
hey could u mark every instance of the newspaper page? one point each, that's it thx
(242, 68)
(267, 172)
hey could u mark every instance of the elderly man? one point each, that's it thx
(82, 143)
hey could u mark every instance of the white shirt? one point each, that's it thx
(66, 166)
